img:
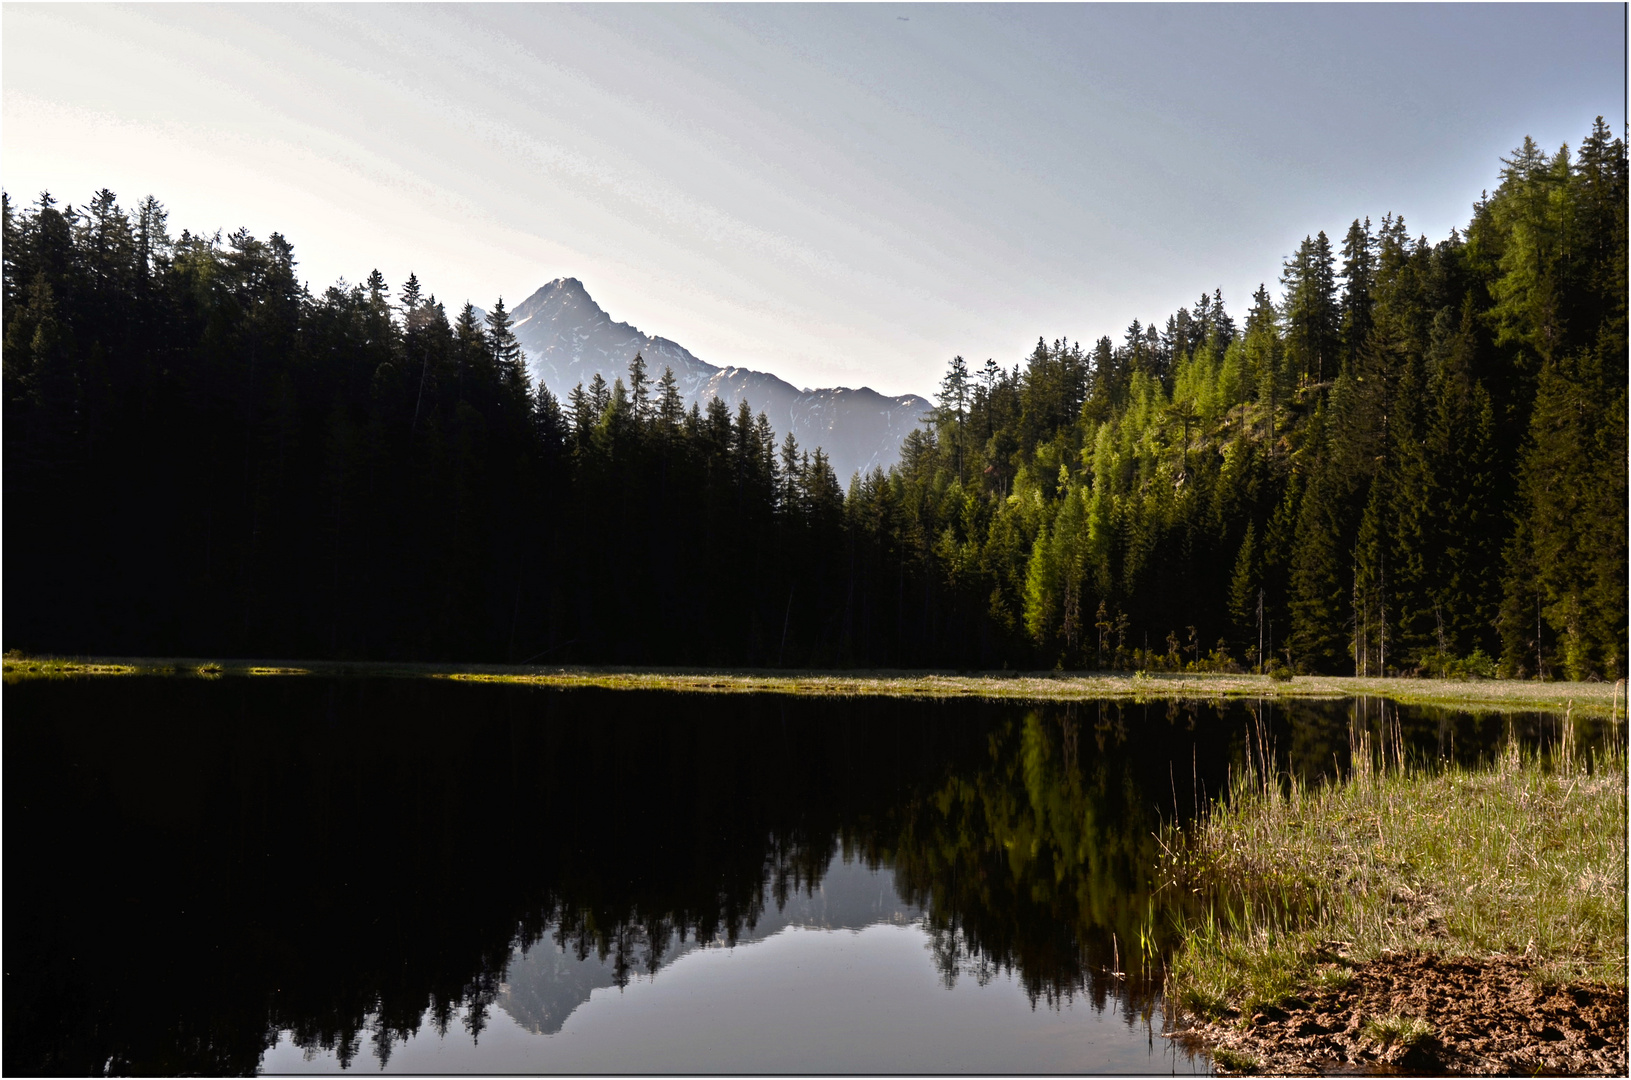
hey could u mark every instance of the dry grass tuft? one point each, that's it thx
(1525, 859)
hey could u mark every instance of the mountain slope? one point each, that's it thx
(568, 338)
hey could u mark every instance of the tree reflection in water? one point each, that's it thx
(197, 866)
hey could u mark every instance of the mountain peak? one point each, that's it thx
(562, 292)
(569, 338)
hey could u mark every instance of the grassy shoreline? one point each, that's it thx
(1296, 891)
(1586, 699)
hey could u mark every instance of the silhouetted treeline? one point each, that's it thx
(201, 457)
(1413, 460)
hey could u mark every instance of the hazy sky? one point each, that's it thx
(840, 194)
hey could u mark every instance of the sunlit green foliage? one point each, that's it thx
(1398, 466)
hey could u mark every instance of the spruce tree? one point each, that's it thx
(1563, 545)
(1358, 264)
(1244, 586)
(639, 389)
(1463, 519)
(670, 408)
(1407, 530)
(1319, 575)
(508, 359)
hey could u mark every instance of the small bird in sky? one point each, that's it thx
(903, 18)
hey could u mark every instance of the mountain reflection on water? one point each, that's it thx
(204, 870)
(542, 986)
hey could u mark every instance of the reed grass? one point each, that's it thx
(1286, 886)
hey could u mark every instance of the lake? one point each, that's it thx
(301, 874)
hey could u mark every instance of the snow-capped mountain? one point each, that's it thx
(568, 338)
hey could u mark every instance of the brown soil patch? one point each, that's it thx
(1487, 1017)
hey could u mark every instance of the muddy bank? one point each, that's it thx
(1484, 1017)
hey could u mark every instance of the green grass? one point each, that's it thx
(50, 667)
(1287, 887)
(1396, 1030)
(1233, 1060)
(1477, 695)
(19, 667)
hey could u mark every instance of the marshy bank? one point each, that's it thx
(1593, 699)
(1416, 916)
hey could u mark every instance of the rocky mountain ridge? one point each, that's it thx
(568, 338)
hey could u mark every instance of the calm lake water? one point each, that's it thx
(293, 875)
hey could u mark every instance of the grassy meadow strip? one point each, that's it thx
(1292, 886)
(18, 667)
(1595, 699)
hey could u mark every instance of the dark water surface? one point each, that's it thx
(298, 874)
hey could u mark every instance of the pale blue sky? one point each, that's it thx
(842, 194)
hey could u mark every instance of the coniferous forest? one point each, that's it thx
(1411, 457)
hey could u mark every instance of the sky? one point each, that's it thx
(839, 194)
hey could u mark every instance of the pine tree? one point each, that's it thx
(1311, 309)
(1264, 361)
(1072, 543)
(1526, 208)
(472, 359)
(1318, 587)
(410, 296)
(639, 389)
(954, 397)
(1598, 301)
(1407, 530)
(791, 476)
(1564, 497)
(508, 359)
(1358, 269)
(549, 423)
(152, 239)
(1041, 600)
(583, 414)
(1464, 520)
(1244, 587)
(670, 409)
(600, 397)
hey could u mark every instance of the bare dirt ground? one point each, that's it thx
(1486, 1018)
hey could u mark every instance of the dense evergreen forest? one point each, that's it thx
(1412, 461)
